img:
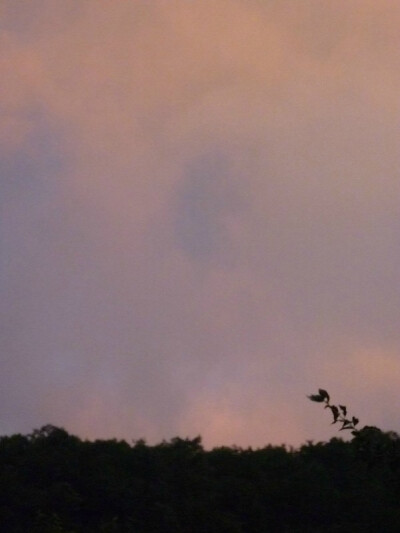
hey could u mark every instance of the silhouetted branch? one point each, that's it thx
(339, 412)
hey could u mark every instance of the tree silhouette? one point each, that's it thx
(54, 482)
(375, 447)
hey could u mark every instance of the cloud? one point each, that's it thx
(207, 201)
(199, 215)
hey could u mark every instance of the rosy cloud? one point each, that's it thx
(201, 204)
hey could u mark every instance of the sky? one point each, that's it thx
(199, 217)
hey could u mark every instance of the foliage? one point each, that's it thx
(372, 444)
(339, 412)
(53, 482)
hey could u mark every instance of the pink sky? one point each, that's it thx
(200, 217)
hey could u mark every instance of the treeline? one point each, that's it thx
(51, 482)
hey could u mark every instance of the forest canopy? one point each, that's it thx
(51, 481)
